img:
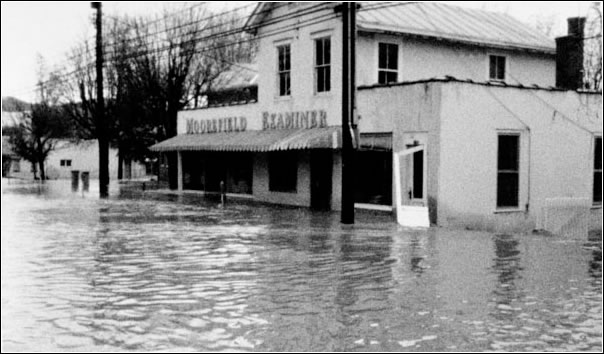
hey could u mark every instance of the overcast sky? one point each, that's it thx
(51, 28)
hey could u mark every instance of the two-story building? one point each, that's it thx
(466, 100)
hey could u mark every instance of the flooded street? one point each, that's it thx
(159, 272)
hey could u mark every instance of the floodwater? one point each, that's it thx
(157, 272)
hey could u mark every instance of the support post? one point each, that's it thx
(179, 167)
(102, 133)
(348, 82)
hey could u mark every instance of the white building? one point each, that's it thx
(69, 156)
(471, 91)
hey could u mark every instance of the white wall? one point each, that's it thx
(422, 59)
(84, 156)
(462, 122)
(303, 96)
(403, 110)
(556, 153)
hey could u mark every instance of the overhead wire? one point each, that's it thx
(278, 19)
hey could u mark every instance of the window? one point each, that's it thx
(597, 190)
(284, 70)
(508, 170)
(283, 171)
(16, 165)
(388, 63)
(65, 163)
(497, 67)
(322, 65)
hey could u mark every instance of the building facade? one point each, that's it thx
(458, 86)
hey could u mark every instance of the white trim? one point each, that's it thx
(506, 68)
(278, 72)
(519, 134)
(378, 207)
(377, 59)
(315, 67)
(327, 32)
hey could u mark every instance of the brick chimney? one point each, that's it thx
(569, 55)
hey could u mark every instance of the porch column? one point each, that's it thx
(179, 167)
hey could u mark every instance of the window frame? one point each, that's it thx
(517, 172)
(285, 72)
(388, 70)
(505, 67)
(324, 65)
(595, 171)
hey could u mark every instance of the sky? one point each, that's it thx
(50, 29)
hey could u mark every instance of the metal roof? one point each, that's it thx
(255, 140)
(458, 24)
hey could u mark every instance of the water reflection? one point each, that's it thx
(167, 273)
(507, 267)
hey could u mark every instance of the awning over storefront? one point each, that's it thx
(255, 140)
(375, 141)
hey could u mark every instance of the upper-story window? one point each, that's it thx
(284, 69)
(323, 65)
(497, 67)
(387, 63)
(65, 163)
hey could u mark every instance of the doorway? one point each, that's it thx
(321, 166)
(410, 181)
(415, 169)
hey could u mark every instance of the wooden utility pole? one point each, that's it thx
(348, 94)
(101, 128)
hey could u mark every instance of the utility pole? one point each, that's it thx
(348, 101)
(101, 129)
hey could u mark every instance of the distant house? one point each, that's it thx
(486, 111)
(11, 162)
(67, 157)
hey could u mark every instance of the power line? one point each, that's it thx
(300, 13)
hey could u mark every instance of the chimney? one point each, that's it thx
(569, 56)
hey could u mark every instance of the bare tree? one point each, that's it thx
(154, 68)
(593, 48)
(37, 134)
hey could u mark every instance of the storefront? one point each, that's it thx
(290, 158)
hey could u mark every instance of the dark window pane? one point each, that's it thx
(492, 67)
(327, 78)
(320, 79)
(598, 154)
(418, 175)
(281, 84)
(382, 77)
(283, 171)
(508, 153)
(318, 52)
(507, 189)
(391, 76)
(281, 59)
(393, 56)
(327, 51)
(500, 68)
(597, 197)
(383, 55)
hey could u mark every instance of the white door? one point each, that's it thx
(410, 181)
